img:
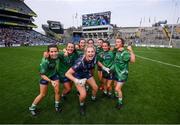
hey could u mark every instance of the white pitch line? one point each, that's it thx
(158, 61)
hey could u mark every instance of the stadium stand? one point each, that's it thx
(128, 33)
(11, 36)
(16, 25)
(166, 32)
(153, 36)
(17, 6)
(54, 30)
(176, 30)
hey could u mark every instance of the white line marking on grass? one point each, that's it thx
(158, 61)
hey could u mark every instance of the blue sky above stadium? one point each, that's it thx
(124, 13)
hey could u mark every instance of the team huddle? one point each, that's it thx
(76, 64)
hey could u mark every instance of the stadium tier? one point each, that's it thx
(16, 13)
(174, 33)
(17, 37)
(155, 36)
(16, 23)
(16, 6)
(175, 29)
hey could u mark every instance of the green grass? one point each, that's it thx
(151, 95)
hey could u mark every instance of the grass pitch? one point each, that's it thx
(151, 95)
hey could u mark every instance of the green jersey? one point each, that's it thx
(121, 62)
(65, 62)
(114, 50)
(106, 58)
(98, 49)
(80, 52)
(48, 67)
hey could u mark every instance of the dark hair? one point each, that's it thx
(107, 42)
(82, 39)
(90, 40)
(101, 40)
(70, 43)
(52, 46)
(122, 40)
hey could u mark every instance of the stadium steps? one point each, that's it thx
(166, 33)
(177, 30)
(48, 31)
(138, 34)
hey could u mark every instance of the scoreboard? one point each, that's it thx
(96, 19)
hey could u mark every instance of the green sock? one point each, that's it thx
(33, 107)
(93, 97)
(116, 94)
(56, 104)
(81, 103)
(109, 93)
(120, 100)
(87, 87)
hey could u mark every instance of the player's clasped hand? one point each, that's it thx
(129, 48)
(53, 83)
(80, 82)
(106, 69)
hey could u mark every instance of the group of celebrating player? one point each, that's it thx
(76, 64)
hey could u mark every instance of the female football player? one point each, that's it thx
(105, 61)
(48, 73)
(80, 50)
(80, 73)
(66, 59)
(120, 67)
(99, 49)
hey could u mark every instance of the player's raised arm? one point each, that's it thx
(133, 57)
(46, 54)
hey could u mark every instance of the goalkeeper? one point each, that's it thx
(80, 73)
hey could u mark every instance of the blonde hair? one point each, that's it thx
(85, 49)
